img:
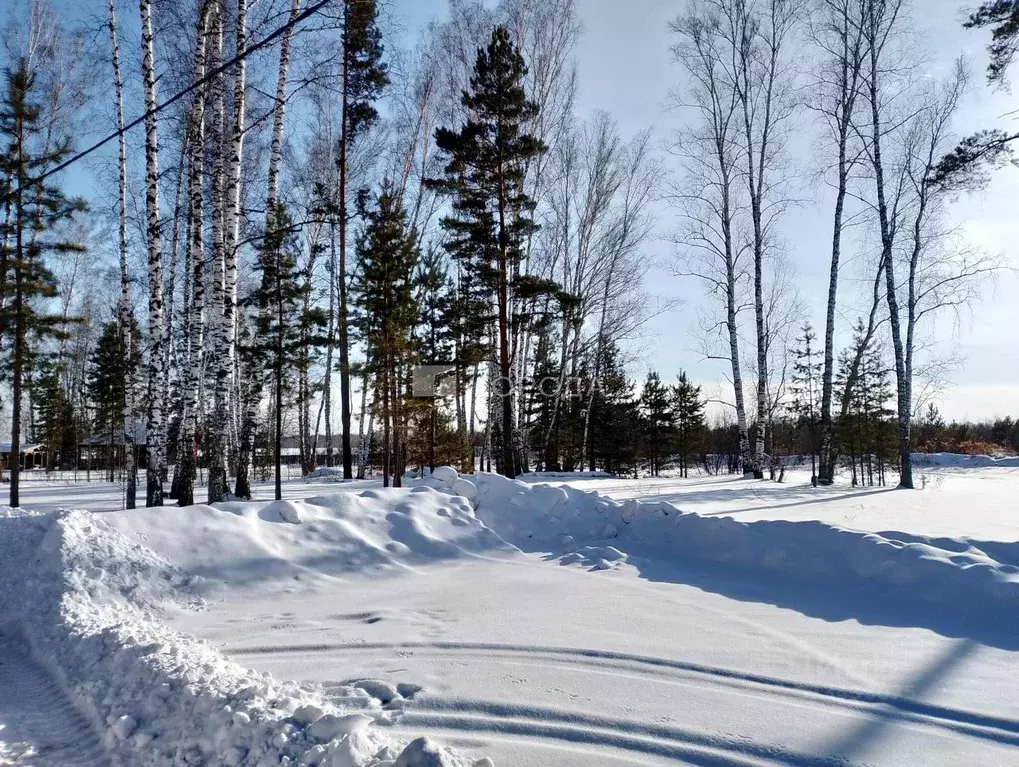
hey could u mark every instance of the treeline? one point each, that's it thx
(304, 228)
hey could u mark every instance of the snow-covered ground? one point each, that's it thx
(531, 623)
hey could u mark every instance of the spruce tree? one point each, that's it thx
(384, 294)
(284, 328)
(658, 420)
(486, 161)
(614, 419)
(433, 342)
(56, 422)
(689, 420)
(806, 390)
(363, 77)
(111, 368)
(32, 211)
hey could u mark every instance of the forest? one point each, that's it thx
(234, 234)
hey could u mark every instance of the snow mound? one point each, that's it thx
(579, 527)
(326, 474)
(81, 595)
(532, 475)
(256, 541)
(960, 461)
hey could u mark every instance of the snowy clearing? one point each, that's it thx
(533, 623)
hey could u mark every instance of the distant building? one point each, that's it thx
(33, 456)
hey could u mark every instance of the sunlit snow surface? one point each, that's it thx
(535, 624)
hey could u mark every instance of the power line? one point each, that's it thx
(306, 13)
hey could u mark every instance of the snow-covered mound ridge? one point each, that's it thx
(530, 475)
(78, 592)
(256, 542)
(326, 474)
(960, 461)
(582, 527)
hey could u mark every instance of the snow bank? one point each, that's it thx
(327, 474)
(533, 475)
(81, 595)
(584, 528)
(255, 542)
(959, 461)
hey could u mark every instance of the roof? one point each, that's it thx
(5, 448)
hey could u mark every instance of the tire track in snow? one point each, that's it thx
(38, 727)
(533, 722)
(958, 721)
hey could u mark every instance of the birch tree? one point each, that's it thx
(711, 209)
(155, 439)
(125, 318)
(195, 264)
(838, 36)
(242, 488)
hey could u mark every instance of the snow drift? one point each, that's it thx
(82, 597)
(378, 530)
(581, 527)
(960, 461)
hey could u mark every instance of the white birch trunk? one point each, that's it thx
(124, 306)
(156, 426)
(244, 459)
(196, 266)
(221, 365)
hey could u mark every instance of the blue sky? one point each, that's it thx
(625, 68)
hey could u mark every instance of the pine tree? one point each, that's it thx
(433, 342)
(615, 420)
(284, 328)
(806, 390)
(866, 430)
(484, 175)
(28, 233)
(364, 76)
(658, 416)
(55, 422)
(111, 372)
(384, 294)
(689, 420)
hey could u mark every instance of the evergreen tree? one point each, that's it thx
(284, 326)
(384, 294)
(866, 432)
(484, 175)
(806, 390)
(433, 346)
(615, 420)
(111, 369)
(29, 226)
(689, 420)
(658, 416)
(55, 423)
(363, 77)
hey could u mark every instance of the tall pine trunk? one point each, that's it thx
(341, 325)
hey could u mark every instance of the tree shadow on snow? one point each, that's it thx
(866, 602)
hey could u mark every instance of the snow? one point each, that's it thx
(474, 620)
(83, 597)
(957, 461)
